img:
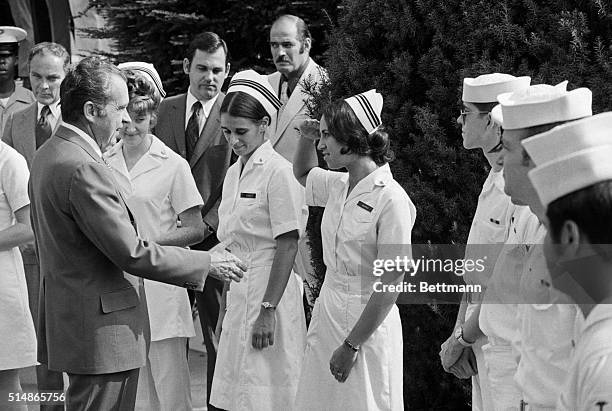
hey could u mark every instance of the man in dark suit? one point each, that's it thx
(190, 124)
(26, 130)
(93, 315)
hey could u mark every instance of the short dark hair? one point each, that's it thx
(346, 128)
(303, 32)
(52, 48)
(88, 81)
(590, 208)
(484, 106)
(208, 42)
(241, 104)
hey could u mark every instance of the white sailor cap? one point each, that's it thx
(367, 107)
(148, 70)
(11, 34)
(571, 156)
(256, 85)
(485, 88)
(541, 104)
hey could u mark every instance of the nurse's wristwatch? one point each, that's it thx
(460, 339)
(267, 305)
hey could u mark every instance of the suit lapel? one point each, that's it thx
(294, 105)
(69, 135)
(27, 130)
(178, 125)
(209, 132)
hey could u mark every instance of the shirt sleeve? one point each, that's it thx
(184, 193)
(394, 226)
(595, 386)
(318, 185)
(15, 176)
(286, 203)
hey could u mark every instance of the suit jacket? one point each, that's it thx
(20, 131)
(19, 100)
(212, 154)
(91, 317)
(285, 138)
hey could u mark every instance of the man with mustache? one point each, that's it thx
(290, 44)
(189, 124)
(26, 130)
(13, 96)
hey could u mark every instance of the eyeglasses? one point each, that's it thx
(465, 113)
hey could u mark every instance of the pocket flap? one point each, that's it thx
(119, 300)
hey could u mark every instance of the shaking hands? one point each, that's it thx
(225, 266)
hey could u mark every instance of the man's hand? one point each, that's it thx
(225, 266)
(310, 129)
(465, 367)
(450, 352)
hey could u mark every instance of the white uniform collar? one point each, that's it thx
(259, 156)
(85, 137)
(601, 312)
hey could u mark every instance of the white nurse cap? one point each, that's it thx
(148, 70)
(367, 107)
(571, 156)
(257, 86)
(486, 88)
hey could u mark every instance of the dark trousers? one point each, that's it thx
(108, 392)
(207, 302)
(47, 380)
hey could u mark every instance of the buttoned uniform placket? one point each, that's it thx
(365, 195)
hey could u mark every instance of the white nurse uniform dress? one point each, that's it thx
(258, 205)
(18, 345)
(376, 212)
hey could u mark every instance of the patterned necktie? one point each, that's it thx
(43, 127)
(192, 132)
(284, 93)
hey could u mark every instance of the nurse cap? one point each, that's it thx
(257, 86)
(485, 88)
(541, 104)
(367, 107)
(11, 34)
(571, 156)
(148, 70)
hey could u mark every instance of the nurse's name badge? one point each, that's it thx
(248, 195)
(365, 206)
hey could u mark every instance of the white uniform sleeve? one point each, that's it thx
(285, 202)
(318, 184)
(595, 386)
(15, 176)
(394, 226)
(184, 193)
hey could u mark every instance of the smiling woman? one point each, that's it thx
(261, 217)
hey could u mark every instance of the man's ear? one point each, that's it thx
(186, 65)
(90, 111)
(227, 68)
(307, 44)
(570, 238)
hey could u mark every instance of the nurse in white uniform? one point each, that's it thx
(18, 344)
(261, 216)
(159, 190)
(353, 357)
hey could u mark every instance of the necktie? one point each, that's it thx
(192, 132)
(284, 93)
(43, 127)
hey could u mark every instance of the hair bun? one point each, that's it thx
(380, 146)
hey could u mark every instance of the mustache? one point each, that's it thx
(282, 60)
